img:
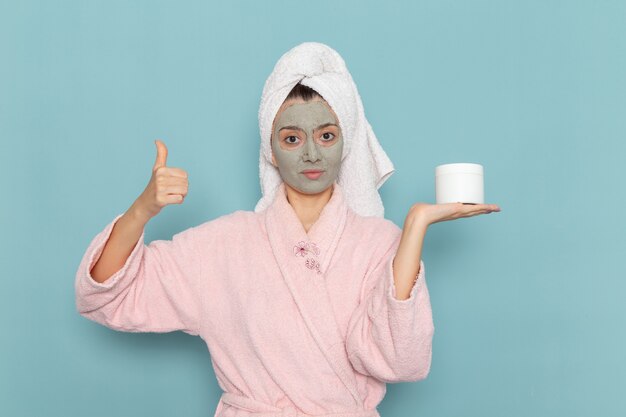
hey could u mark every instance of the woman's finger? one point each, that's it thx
(489, 207)
(473, 210)
(435, 213)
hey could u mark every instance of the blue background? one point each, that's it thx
(527, 303)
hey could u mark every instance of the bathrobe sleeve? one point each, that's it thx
(391, 339)
(156, 290)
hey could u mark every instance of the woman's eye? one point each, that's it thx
(326, 138)
(287, 139)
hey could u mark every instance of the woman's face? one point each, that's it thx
(306, 136)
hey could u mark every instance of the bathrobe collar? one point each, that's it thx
(303, 259)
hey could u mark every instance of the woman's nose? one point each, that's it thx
(311, 152)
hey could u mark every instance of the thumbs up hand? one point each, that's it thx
(167, 185)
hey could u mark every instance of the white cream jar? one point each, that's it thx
(461, 182)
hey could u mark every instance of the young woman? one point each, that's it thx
(308, 305)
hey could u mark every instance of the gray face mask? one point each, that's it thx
(307, 136)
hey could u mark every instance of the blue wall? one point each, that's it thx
(527, 303)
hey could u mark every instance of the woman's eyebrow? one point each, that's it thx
(301, 130)
(325, 125)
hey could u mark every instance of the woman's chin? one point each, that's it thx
(314, 188)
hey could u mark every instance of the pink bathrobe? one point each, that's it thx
(296, 323)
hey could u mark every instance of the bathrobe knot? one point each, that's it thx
(254, 408)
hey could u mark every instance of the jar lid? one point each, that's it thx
(458, 168)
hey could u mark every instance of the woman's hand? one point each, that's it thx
(406, 263)
(167, 186)
(428, 214)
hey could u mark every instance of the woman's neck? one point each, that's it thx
(308, 206)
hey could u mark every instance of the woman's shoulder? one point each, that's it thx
(373, 236)
(225, 225)
(234, 218)
(374, 227)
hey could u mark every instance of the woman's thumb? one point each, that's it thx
(161, 155)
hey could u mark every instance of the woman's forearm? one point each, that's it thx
(124, 236)
(407, 260)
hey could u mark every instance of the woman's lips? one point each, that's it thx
(312, 175)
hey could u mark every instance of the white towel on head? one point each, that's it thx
(364, 165)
